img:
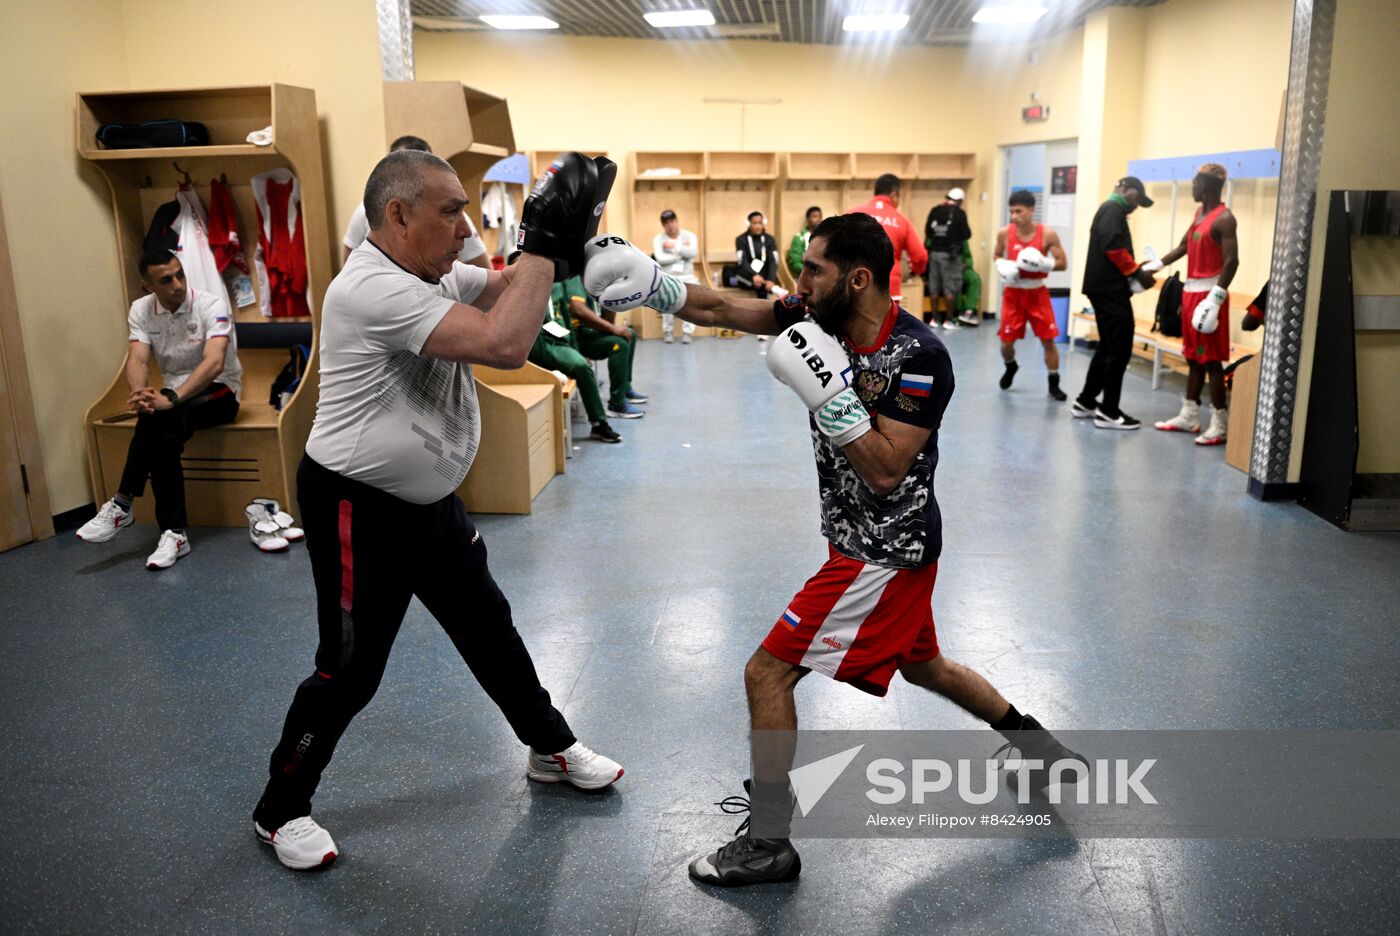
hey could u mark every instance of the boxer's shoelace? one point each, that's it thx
(734, 806)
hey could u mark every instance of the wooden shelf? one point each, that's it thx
(180, 152)
(742, 165)
(817, 167)
(692, 166)
(873, 165)
(952, 167)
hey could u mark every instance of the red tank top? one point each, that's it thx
(1203, 255)
(1014, 246)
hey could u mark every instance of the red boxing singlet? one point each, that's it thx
(1015, 245)
(1203, 255)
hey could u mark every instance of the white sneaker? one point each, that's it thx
(668, 340)
(1188, 420)
(109, 521)
(1215, 435)
(578, 765)
(172, 546)
(949, 324)
(685, 339)
(300, 844)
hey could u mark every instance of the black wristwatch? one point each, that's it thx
(170, 395)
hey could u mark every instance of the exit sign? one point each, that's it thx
(1035, 113)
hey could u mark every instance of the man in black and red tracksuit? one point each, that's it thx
(1109, 271)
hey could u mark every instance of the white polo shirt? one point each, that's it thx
(177, 338)
(388, 416)
(358, 229)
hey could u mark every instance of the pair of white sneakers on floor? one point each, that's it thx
(112, 518)
(270, 527)
(302, 844)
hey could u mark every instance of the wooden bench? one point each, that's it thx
(522, 439)
(1164, 352)
(225, 467)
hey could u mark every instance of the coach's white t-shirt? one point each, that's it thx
(177, 338)
(358, 229)
(387, 416)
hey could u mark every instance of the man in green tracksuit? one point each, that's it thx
(798, 248)
(970, 299)
(563, 347)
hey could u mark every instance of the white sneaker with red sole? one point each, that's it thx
(577, 765)
(301, 844)
(1215, 435)
(1188, 420)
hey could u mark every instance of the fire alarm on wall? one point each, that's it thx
(1035, 112)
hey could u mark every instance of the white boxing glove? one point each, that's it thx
(1206, 318)
(1030, 260)
(1007, 270)
(815, 366)
(621, 277)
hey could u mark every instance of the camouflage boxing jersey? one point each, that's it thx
(906, 376)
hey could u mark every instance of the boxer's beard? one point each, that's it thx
(835, 310)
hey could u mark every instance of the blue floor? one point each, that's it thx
(1100, 579)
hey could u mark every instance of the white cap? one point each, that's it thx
(956, 194)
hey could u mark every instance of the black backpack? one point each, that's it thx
(153, 134)
(1168, 318)
(290, 378)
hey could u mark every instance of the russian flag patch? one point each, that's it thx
(790, 619)
(915, 384)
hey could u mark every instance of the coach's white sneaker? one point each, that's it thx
(172, 546)
(301, 844)
(1188, 420)
(585, 769)
(108, 523)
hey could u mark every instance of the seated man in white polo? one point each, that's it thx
(192, 338)
(675, 249)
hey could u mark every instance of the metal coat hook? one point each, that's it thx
(188, 180)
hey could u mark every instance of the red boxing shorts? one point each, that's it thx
(1204, 348)
(1019, 306)
(858, 623)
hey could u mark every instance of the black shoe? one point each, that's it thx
(746, 860)
(604, 433)
(1011, 368)
(1081, 410)
(1059, 395)
(1120, 420)
(1032, 742)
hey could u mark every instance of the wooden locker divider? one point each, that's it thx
(469, 128)
(257, 454)
(935, 175)
(808, 179)
(520, 428)
(655, 193)
(738, 183)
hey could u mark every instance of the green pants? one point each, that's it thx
(618, 353)
(552, 354)
(970, 299)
